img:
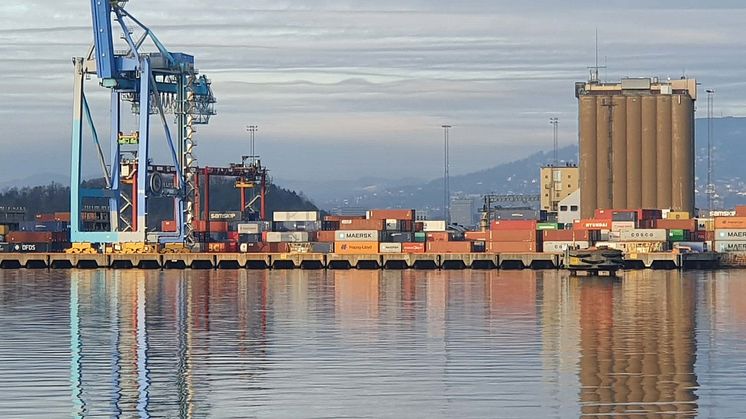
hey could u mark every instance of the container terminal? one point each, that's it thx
(644, 122)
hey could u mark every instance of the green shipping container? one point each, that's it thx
(676, 235)
(549, 226)
(419, 237)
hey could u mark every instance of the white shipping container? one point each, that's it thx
(357, 236)
(295, 216)
(393, 225)
(390, 248)
(432, 225)
(644, 235)
(730, 246)
(622, 225)
(560, 246)
(249, 228)
(287, 237)
(730, 235)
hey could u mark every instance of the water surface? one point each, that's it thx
(371, 344)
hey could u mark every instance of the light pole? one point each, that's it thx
(710, 190)
(446, 175)
(252, 129)
(555, 123)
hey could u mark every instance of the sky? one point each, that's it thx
(351, 89)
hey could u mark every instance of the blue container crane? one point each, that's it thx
(157, 82)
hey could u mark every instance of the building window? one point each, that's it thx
(573, 207)
(563, 208)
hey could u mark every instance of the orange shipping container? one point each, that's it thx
(437, 236)
(355, 248)
(513, 225)
(740, 210)
(514, 235)
(565, 235)
(62, 216)
(449, 247)
(413, 247)
(730, 222)
(30, 237)
(362, 225)
(592, 225)
(508, 247)
(689, 225)
(391, 214)
(325, 236)
(477, 235)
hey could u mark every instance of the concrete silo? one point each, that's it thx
(636, 144)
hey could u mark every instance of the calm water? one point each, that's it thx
(371, 344)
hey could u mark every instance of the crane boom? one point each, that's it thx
(102, 38)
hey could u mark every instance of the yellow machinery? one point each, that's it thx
(81, 249)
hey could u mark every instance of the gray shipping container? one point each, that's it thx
(322, 247)
(293, 237)
(398, 237)
(296, 226)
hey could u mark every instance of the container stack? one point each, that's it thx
(507, 236)
(47, 233)
(730, 233)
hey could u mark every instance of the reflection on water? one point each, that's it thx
(370, 343)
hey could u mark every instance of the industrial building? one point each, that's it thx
(557, 183)
(636, 144)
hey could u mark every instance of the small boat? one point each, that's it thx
(594, 260)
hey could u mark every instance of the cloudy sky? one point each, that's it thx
(357, 88)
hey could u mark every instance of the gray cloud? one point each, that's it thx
(357, 89)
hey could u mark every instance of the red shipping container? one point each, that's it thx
(565, 235)
(168, 226)
(377, 225)
(231, 246)
(439, 236)
(278, 248)
(592, 225)
(218, 226)
(513, 225)
(740, 210)
(509, 247)
(688, 225)
(477, 235)
(391, 214)
(45, 218)
(603, 214)
(199, 226)
(413, 247)
(233, 236)
(514, 235)
(448, 247)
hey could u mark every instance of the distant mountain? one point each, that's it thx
(223, 197)
(729, 155)
(521, 176)
(518, 177)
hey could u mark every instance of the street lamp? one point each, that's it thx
(446, 175)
